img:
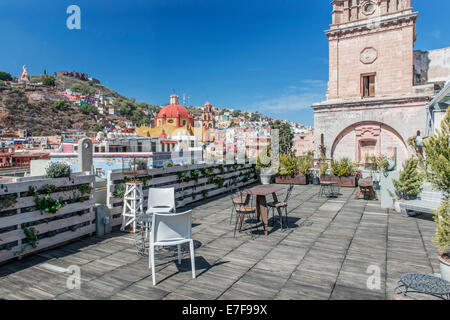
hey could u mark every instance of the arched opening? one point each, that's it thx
(369, 138)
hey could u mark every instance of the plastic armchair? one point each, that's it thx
(161, 200)
(170, 229)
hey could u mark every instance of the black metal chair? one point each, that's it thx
(245, 211)
(281, 205)
(236, 200)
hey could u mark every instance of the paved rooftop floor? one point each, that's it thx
(329, 251)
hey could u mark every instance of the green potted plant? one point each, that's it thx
(343, 173)
(264, 166)
(407, 186)
(58, 170)
(437, 172)
(293, 170)
(323, 170)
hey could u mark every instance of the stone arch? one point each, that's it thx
(370, 135)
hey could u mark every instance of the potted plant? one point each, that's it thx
(407, 186)
(410, 180)
(264, 165)
(370, 163)
(288, 169)
(316, 176)
(58, 170)
(293, 170)
(437, 171)
(343, 173)
(323, 171)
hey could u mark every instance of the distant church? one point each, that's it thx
(175, 120)
(378, 86)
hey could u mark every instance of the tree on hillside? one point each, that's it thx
(255, 117)
(286, 136)
(125, 107)
(236, 113)
(87, 109)
(48, 81)
(97, 127)
(60, 105)
(139, 118)
(5, 76)
(77, 87)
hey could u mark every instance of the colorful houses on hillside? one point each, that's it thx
(103, 103)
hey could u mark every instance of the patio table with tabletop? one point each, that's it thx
(261, 204)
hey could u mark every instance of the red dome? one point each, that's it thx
(173, 111)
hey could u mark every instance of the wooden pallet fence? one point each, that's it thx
(186, 192)
(19, 214)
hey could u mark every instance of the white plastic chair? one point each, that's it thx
(161, 200)
(170, 229)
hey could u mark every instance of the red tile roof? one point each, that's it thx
(173, 111)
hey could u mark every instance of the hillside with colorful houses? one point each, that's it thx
(76, 105)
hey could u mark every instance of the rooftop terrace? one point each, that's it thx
(325, 253)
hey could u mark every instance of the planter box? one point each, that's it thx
(288, 179)
(349, 182)
(186, 192)
(72, 221)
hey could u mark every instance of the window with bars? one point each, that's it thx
(368, 86)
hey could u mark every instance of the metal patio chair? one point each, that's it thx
(281, 205)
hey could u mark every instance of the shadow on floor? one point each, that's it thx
(60, 251)
(200, 264)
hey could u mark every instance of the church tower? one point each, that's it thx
(371, 46)
(372, 106)
(208, 122)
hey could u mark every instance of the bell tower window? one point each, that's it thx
(368, 86)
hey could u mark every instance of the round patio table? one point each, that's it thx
(425, 284)
(328, 189)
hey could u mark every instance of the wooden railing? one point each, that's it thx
(25, 228)
(212, 180)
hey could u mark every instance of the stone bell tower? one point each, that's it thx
(375, 39)
(372, 105)
(208, 122)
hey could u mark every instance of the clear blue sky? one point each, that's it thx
(270, 56)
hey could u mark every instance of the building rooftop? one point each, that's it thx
(325, 253)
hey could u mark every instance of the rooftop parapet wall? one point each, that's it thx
(18, 207)
(219, 180)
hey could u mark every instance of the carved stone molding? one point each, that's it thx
(369, 55)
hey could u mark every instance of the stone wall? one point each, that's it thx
(303, 143)
(432, 66)
(400, 120)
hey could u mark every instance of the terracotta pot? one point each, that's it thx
(291, 179)
(445, 268)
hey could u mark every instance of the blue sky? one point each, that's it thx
(267, 56)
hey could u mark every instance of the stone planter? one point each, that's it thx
(397, 205)
(266, 176)
(445, 268)
(291, 179)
